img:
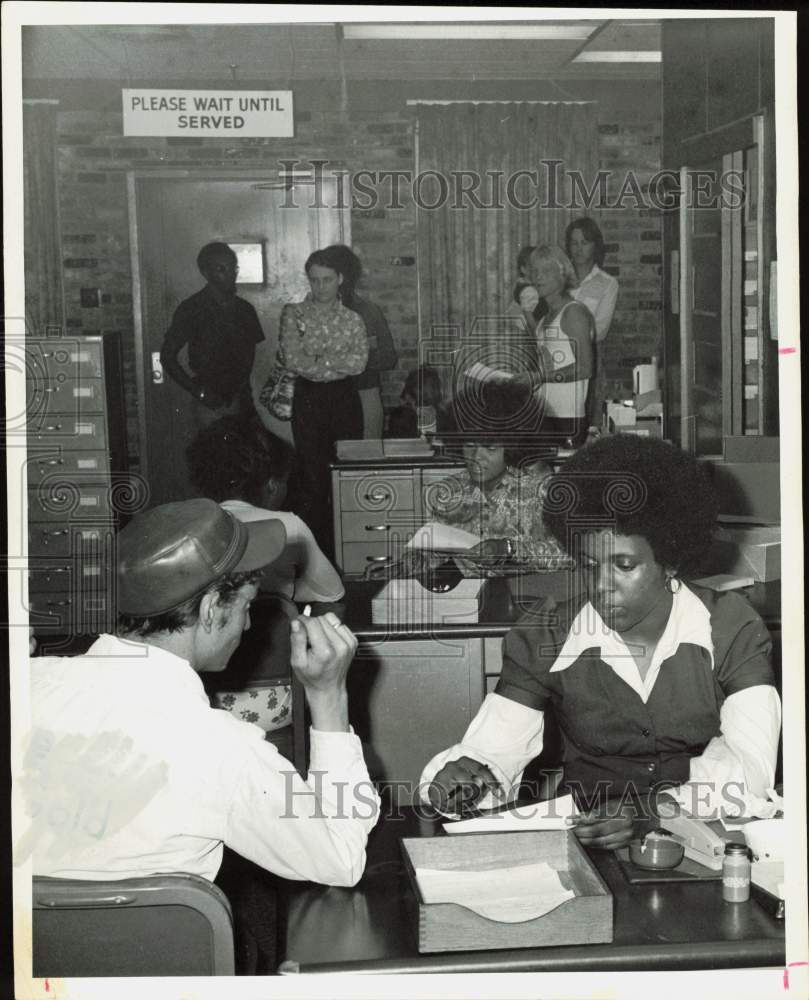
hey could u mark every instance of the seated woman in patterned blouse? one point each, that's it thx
(324, 344)
(495, 497)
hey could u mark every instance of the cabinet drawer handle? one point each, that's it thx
(53, 389)
(53, 427)
(55, 534)
(59, 604)
(51, 461)
(377, 527)
(377, 559)
(378, 497)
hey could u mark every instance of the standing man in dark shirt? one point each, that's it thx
(221, 331)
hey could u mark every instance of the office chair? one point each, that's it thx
(162, 925)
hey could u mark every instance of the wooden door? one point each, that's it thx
(173, 219)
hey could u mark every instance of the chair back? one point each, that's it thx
(161, 925)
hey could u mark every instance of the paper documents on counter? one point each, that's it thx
(549, 815)
(508, 895)
(443, 537)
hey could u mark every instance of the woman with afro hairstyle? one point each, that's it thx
(654, 682)
(498, 495)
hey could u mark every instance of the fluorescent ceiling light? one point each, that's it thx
(618, 57)
(470, 32)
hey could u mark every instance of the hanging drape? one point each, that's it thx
(523, 155)
(44, 305)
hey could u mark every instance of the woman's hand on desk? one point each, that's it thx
(608, 832)
(460, 784)
(614, 823)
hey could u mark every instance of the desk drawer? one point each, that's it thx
(65, 395)
(66, 464)
(370, 526)
(69, 614)
(78, 433)
(64, 501)
(357, 558)
(64, 575)
(375, 492)
(59, 540)
(67, 358)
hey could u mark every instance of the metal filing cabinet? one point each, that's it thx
(77, 482)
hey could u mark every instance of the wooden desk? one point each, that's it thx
(369, 929)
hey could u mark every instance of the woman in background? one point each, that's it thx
(497, 497)
(565, 337)
(423, 410)
(525, 300)
(598, 291)
(381, 351)
(325, 344)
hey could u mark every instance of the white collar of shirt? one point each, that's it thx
(689, 621)
(154, 666)
(594, 272)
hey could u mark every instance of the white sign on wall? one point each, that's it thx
(231, 113)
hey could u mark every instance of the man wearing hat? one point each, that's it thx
(128, 770)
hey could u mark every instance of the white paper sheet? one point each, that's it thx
(509, 895)
(549, 815)
(442, 536)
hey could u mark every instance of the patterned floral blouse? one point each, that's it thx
(322, 345)
(512, 510)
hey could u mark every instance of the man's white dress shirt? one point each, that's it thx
(129, 772)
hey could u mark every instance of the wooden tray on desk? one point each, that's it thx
(585, 919)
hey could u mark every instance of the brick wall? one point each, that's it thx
(93, 157)
(634, 247)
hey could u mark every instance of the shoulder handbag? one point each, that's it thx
(279, 389)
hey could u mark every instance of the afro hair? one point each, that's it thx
(636, 486)
(233, 458)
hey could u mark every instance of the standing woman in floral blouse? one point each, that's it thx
(324, 344)
(381, 351)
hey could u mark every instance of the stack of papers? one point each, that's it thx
(509, 895)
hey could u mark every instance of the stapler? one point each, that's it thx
(700, 842)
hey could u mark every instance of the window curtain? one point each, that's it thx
(467, 248)
(44, 304)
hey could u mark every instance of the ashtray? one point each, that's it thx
(657, 850)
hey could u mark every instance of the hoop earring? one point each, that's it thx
(672, 583)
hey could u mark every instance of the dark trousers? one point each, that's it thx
(253, 897)
(322, 413)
